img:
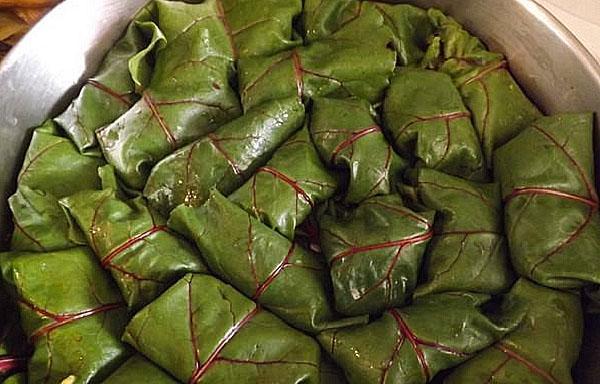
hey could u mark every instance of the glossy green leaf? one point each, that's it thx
(409, 25)
(468, 252)
(139, 68)
(40, 223)
(551, 203)
(224, 159)
(133, 243)
(261, 27)
(189, 94)
(284, 192)
(139, 370)
(426, 118)
(204, 331)
(542, 350)
(500, 108)
(111, 92)
(70, 311)
(413, 344)
(347, 137)
(265, 266)
(375, 254)
(336, 67)
(53, 165)
(53, 168)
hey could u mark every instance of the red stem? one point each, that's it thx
(528, 364)
(276, 272)
(161, 121)
(213, 358)
(10, 364)
(354, 137)
(130, 243)
(292, 183)
(111, 92)
(60, 320)
(551, 192)
(391, 244)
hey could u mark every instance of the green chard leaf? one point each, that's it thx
(375, 254)
(410, 26)
(224, 159)
(500, 108)
(287, 279)
(543, 349)
(337, 67)
(189, 94)
(347, 137)
(133, 243)
(139, 370)
(204, 331)
(551, 203)
(283, 193)
(261, 27)
(111, 92)
(53, 168)
(468, 252)
(71, 312)
(426, 118)
(415, 343)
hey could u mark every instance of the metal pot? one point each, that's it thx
(41, 75)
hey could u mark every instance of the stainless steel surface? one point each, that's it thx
(43, 71)
(39, 76)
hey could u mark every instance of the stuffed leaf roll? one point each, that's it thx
(468, 252)
(204, 331)
(70, 311)
(551, 203)
(189, 94)
(224, 159)
(284, 192)
(375, 254)
(347, 137)
(427, 120)
(543, 349)
(417, 342)
(265, 266)
(53, 169)
(133, 243)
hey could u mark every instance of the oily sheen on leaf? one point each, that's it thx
(283, 193)
(189, 94)
(286, 279)
(71, 312)
(501, 110)
(415, 343)
(337, 67)
(202, 330)
(111, 92)
(427, 120)
(375, 254)
(347, 137)
(551, 203)
(53, 168)
(410, 26)
(468, 252)
(543, 349)
(133, 243)
(224, 159)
